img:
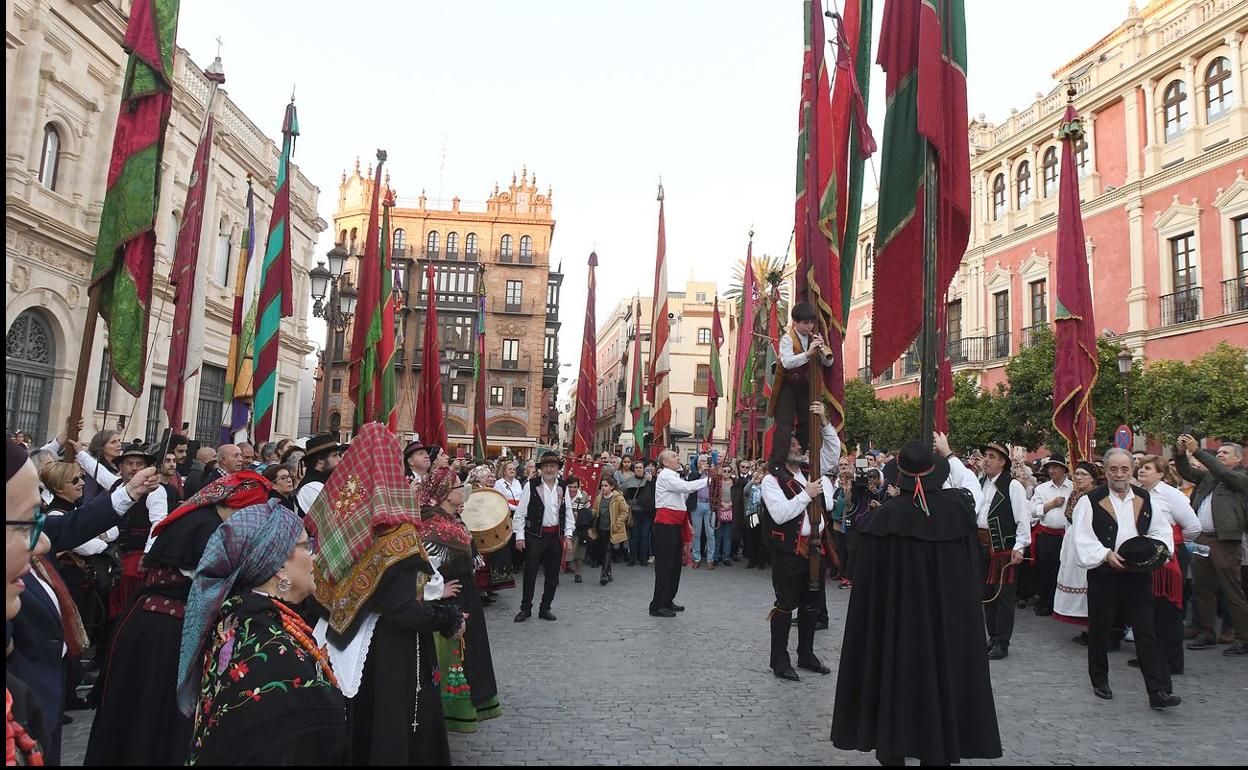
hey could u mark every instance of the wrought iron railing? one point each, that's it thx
(1180, 307)
(1235, 295)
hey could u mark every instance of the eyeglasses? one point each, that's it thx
(34, 527)
(309, 544)
(79, 480)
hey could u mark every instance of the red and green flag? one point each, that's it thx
(479, 442)
(125, 250)
(186, 250)
(587, 380)
(1076, 366)
(385, 392)
(238, 374)
(658, 388)
(772, 361)
(366, 334)
(275, 287)
(743, 367)
(637, 399)
(923, 54)
(715, 387)
(429, 422)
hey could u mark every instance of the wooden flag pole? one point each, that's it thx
(84, 363)
(929, 339)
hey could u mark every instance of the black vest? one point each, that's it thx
(537, 509)
(135, 527)
(783, 537)
(309, 476)
(1105, 527)
(1002, 526)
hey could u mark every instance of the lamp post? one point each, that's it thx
(1125, 362)
(337, 312)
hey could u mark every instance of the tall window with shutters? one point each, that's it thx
(211, 398)
(1049, 167)
(104, 393)
(702, 379)
(155, 404)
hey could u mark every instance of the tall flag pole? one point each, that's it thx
(275, 285)
(186, 263)
(385, 398)
(587, 380)
(479, 438)
(238, 373)
(125, 250)
(715, 386)
(637, 401)
(430, 421)
(741, 389)
(1076, 367)
(660, 355)
(366, 334)
(817, 231)
(924, 210)
(773, 361)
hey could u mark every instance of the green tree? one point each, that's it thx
(1207, 396)
(976, 416)
(861, 408)
(896, 422)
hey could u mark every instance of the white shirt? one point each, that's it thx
(670, 489)
(962, 477)
(307, 495)
(103, 476)
(157, 510)
(97, 545)
(782, 509)
(512, 490)
(1018, 503)
(1174, 505)
(793, 359)
(550, 508)
(1205, 515)
(1089, 553)
(1046, 493)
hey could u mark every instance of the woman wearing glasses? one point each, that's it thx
(283, 482)
(24, 727)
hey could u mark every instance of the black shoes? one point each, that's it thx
(1103, 691)
(546, 615)
(813, 664)
(577, 579)
(602, 581)
(998, 651)
(1163, 700)
(821, 625)
(1201, 643)
(1236, 649)
(523, 615)
(676, 607)
(1081, 639)
(787, 673)
(662, 612)
(1044, 612)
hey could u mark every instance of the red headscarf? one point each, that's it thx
(237, 491)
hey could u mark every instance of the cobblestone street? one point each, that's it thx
(607, 684)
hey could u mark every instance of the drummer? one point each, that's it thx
(495, 572)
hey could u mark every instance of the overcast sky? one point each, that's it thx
(598, 99)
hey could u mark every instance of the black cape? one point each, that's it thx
(914, 678)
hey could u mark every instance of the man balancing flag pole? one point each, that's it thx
(587, 380)
(658, 388)
(275, 286)
(924, 208)
(125, 250)
(1076, 368)
(367, 334)
(186, 265)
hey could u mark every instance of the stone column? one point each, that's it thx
(23, 102)
(1137, 297)
(1131, 132)
(1150, 115)
(1237, 78)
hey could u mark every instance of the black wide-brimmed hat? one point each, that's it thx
(1055, 460)
(918, 464)
(321, 444)
(1143, 554)
(136, 449)
(433, 449)
(549, 458)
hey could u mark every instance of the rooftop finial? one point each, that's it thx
(660, 198)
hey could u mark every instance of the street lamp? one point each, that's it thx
(1125, 362)
(336, 311)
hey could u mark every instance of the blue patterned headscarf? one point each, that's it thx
(244, 552)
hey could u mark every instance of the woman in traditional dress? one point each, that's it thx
(469, 690)
(496, 573)
(138, 722)
(257, 686)
(1070, 601)
(381, 602)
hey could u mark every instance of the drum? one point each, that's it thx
(488, 519)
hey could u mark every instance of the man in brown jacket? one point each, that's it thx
(1221, 503)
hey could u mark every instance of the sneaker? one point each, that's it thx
(1236, 649)
(1201, 643)
(1226, 637)
(650, 560)
(846, 583)
(1129, 636)
(1191, 632)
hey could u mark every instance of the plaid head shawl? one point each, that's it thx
(244, 552)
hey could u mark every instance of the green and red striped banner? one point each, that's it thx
(637, 399)
(385, 394)
(125, 250)
(366, 331)
(275, 287)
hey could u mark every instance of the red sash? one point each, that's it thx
(1168, 581)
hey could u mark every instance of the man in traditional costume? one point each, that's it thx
(1048, 527)
(914, 678)
(381, 602)
(319, 460)
(1004, 521)
(787, 494)
(672, 534)
(790, 392)
(544, 525)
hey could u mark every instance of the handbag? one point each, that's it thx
(725, 516)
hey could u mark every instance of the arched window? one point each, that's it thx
(30, 358)
(1023, 184)
(1081, 157)
(998, 197)
(1175, 106)
(526, 248)
(351, 242)
(1217, 89)
(504, 248)
(400, 242)
(342, 238)
(452, 245)
(51, 157)
(470, 245)
(868, 261)
(431, 244)
(224, 251)
(1049, 167)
